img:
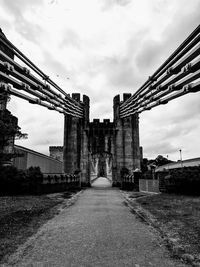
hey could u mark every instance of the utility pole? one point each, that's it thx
(167, 163)
(181, 158)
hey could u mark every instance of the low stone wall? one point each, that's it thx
(58, 182)
(131, 182)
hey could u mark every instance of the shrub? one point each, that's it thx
(34, 178)
(11, 179)
(184, 181)
(14, 181)
(147, 175)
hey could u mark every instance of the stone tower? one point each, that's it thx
(126, 142)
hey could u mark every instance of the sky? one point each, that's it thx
(102, 48)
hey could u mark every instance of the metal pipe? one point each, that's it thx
(188, 44)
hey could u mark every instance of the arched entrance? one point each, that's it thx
(100, 146)
(101, 165)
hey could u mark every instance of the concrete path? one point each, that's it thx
(97, 231)
(101, 182)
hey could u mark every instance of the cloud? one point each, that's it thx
(153, 52)
(28, 31)
(21, 23)
(43, 127)
(163, 148)
(53, 65)
(177, 123)
(71, 38)
(121, 72)
(107, 4)
(150, 53)
(106, 48)
(17, 8)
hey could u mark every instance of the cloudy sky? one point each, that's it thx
(102, 48)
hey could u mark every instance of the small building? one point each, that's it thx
(179, 164)
(30, 158)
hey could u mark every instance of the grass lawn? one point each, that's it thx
(21, 216)
(177, 216)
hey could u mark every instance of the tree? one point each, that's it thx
(9, 131)
(144, 165)
(160, 160)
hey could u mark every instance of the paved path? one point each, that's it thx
(97, 231)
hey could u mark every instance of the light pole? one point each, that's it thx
(167, 163)
(181, 158)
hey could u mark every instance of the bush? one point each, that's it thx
(34, 178)
(147, 175)
(14, 181)
(183, 181)
(10, 179)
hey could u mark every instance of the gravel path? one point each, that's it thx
(97, 231)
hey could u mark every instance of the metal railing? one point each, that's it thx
(177, 76)
(36, 88)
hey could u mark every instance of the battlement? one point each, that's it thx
(57, 148)
(117, 101)
(98, 121)
(106, 121)
(84, 99)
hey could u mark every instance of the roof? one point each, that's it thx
(180, 164)
(25, 149)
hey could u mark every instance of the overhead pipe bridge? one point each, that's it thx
(94, 148)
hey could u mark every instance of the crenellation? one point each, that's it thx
(76, 96)
(96, 121)
(106, 121)
(126, 96)
(86, 108)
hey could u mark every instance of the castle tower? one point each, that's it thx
(75, 149)
(126, 142)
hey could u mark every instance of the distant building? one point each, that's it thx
(56, 152)
(179, 164)
(31, 158)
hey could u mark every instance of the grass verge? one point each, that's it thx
(177, 217)
(21, 216)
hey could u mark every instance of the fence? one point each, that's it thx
(147, 185)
